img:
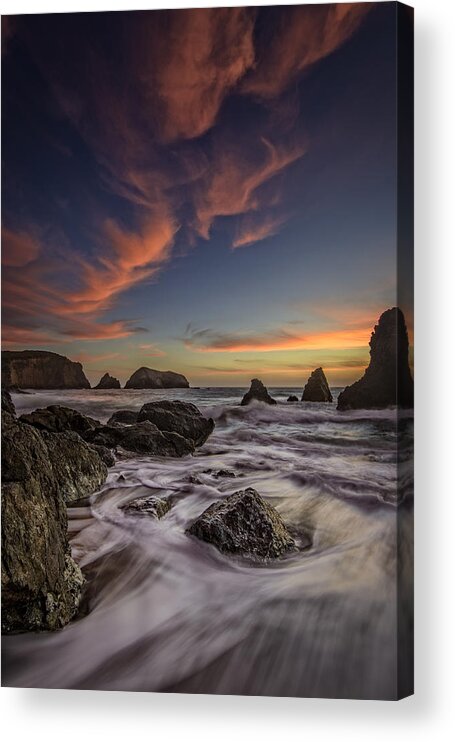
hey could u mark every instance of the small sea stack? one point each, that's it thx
(387, 380)
(258, 392)
(108, 382)
(150, 378)
(317, 388)
(293, 398)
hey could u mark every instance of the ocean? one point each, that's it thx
(165, 612)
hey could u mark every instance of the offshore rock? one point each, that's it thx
(124, 417)
(150, 378)
(244, 523)
(108, 382)
(40, 369)
(259, 392)
(57, 419)
(317, 389)
(293, 398)
(142, 438)
(387, 380)
(41, 584)
(183, 418)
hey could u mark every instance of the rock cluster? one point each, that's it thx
(244, 523)
(41, 584)
(108, 382)
(258, 392)
(40, 369)
(387, 380)
(317, 389)
(183, 418)
(150, 378)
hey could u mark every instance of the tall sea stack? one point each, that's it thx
(317, 388)
(40, 369)
(387, 380)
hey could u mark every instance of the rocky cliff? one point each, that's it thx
(150, 378)
(387, 380)
(40, 369)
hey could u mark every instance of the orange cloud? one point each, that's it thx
(18, 248)
(151, 351)
(234, 179)
(303, 36)
(252, 230)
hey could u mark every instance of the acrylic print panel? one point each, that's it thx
(206, 367)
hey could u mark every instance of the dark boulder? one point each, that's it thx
(7, 402)
(153, 506)
(58, 419)
(183, 418)
(108, 382)
(387, 380)
(40, 369)
(317, 389)
(150, 378)
(105, 454)
(41, 584)
(78, 467)
(293, 398)
(258, 392)
(125, 417)
(244, 523)
(142, 438)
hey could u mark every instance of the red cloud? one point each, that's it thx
(305, 34)
(18, 248)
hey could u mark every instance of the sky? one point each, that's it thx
(209, 191)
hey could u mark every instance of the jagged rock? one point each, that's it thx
(105, 454)
(244, 523)
(57, 419)
(141, 438)
(317, 388)
(293, 398)
(41, 584)
(154, 506)
(183, 418)
(257, 391)
(108, 382)
(40, 369)
(125, 417)
(7, 403)
(387, 380)
(78, 467)
(150, 378)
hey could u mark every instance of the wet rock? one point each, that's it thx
(224, 473)
(7, 403)
(156, 507)
(78, 467)
(108, 382)
(244, 523)
(259, 392)
(183, 418)
(141, 438)
(293, 398)
(105, 454)
(150, 378)
(124, 417)
(317, 388)
(387, 380)
(41, 584)
(40, 369)
(57, 419)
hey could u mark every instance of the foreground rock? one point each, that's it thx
(41, 584)
(387, 380)
(124, 417)
(153, 506)
(40, 369)
(108, 382)
(257, 391)
(7, 403)
(317, 389)
(58, 419)
(183, 418)
(244, 523)
(78, 467)
(142, 438)
(149, 378)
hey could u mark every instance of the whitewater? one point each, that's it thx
(165, 612)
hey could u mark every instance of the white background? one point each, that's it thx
(429, 714)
